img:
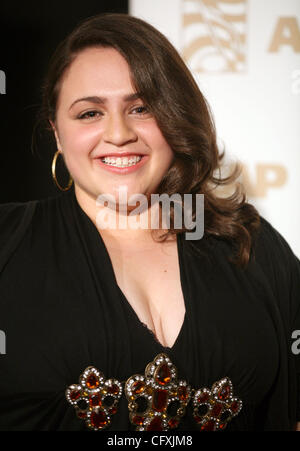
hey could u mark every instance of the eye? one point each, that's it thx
(140, 110)
(89, 114)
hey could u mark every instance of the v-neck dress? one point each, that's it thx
(61, 311)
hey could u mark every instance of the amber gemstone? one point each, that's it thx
(137, 419)
(156, 424)
(208, 426)
(182, 393)
(92, 381)
(98, 419)
(138, 387)
(113, 390)
(224, 392)
(217, 409)
(95, 401)
(173, 423)
(74, 395)
(149, 390)
(163, 374)
(159, 400)
(204, 396)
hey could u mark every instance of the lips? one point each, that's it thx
(121, 170)
(120, 154)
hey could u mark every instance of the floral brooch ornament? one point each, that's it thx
(157, 400)
(214, 408)
(94, 398)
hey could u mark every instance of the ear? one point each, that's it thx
(55, 134)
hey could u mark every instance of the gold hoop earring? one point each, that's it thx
(54, 174)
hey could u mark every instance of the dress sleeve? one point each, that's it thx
(282, 267)
(14, 221)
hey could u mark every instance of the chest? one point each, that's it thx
(150, 281)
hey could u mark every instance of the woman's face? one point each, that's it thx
(109, 139)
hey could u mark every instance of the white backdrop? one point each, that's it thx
(245, 56)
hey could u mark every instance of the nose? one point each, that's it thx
(118, 131)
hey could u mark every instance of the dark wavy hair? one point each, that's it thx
(168, 88)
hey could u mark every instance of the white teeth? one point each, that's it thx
(121, 162)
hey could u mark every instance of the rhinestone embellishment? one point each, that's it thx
(213, 409)
(95, 399)
(157, 400)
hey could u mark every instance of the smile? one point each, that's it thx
(122, 165)
(123, 162)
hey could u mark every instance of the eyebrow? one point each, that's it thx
(102, 100)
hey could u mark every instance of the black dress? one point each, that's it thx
(61, 311)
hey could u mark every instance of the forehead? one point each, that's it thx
(97, 71)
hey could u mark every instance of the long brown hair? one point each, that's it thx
(168, 88)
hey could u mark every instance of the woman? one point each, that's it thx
(188, 334)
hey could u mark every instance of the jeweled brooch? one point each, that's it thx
(213, 409)
(157, 400)
(94, 398)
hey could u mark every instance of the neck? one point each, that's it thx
(122, 223)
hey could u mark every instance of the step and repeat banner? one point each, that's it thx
(245, 57)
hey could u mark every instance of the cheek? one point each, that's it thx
(164, 153)
(77, 140)
(160, 149)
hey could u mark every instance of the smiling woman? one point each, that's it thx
(97, 133)
(191, 334)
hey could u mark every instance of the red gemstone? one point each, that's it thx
(235, 406)
(137, 419)
(173, 423)
(159, 400)
(224, 392)
(92, 381)
(98, 420)
(113, 410)
(183, 393)
(222, 426)
(113, 390)
(74, 395)
(208, 426)
(204, 397)
(216, 410)
(155, 425)
(163, 374)
(95, 401)
(138, 387)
